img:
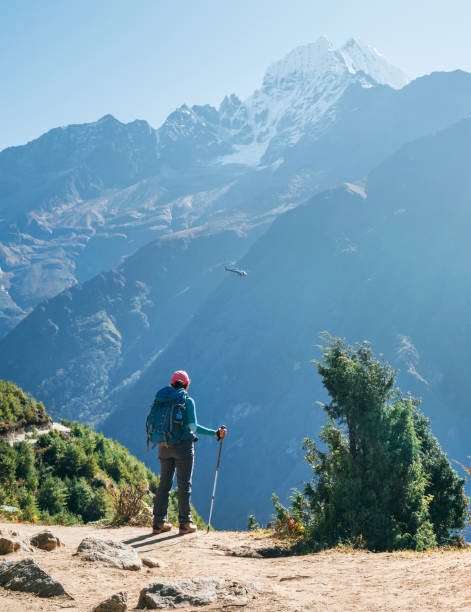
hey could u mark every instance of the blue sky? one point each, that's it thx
(70, 62)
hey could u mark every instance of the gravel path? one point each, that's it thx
(330, 580)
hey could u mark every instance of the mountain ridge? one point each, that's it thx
(77, 199)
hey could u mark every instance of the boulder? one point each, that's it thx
(151, 562)
(45, 540)
(194, 592)
(8, 545)
(109, 552)
(115, 603)
(11, 544)
(28, 577)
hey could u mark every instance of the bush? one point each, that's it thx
(98, 507)
(25, 467)
(29, 507)
(7, 466)
(72, 460)
(252, 524)
(79, 497)
(127, 503)
(52, 495)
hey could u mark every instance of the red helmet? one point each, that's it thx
(181, 376)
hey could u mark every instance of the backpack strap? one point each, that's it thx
(148, 429)
(169, 409)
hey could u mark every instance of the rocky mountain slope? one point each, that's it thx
(76, 200)
(88, 344)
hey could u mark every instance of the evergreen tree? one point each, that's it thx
(25, 468)
(79, 496)
(97, 507)
(28, 504)
(72, 460)
(7, 469)
(380, 478)
(52, 495)
(444, 489)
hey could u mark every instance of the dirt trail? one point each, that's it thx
(327, 581)
(19, 436)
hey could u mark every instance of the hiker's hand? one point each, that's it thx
(221, 432)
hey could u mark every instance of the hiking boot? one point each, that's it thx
(161, 528)
(187, 528)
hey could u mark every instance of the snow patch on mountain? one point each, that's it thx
(248, 155)
(408, 353)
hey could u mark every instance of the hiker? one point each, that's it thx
(172, 424)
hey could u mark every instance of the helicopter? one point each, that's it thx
(235, 271)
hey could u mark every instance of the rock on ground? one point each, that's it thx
(194, 592)
(28, 577)
(45, 540)
(9, 545)
(109, 552)
(115, 603)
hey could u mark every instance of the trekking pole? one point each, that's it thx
(215, 482)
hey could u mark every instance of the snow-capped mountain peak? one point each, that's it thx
(298, 94)
(359, 56)
(321, 56)
(301, 61)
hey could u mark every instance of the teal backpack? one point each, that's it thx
(164, 424)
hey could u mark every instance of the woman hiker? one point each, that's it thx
(172, 424)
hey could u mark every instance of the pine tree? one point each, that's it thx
(380, 478)
(52, 495)
(25, 468)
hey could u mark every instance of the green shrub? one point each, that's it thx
(25, 465)
(7, 466)
(52, 495)
(99, 506)
(28, 504)
(252, 524)
(79, 496)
